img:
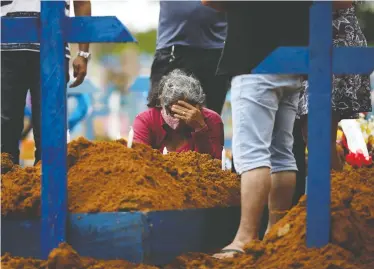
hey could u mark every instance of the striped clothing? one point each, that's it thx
(26, 8)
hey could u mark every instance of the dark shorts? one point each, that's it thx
(201, 63)
(20, 72)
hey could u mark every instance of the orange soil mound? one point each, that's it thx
(65, 257)
(351, 247)
(20, 189)
(6, 163)
(107, 176)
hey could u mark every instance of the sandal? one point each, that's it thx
(228, 250)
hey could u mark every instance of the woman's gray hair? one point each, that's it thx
(177, 85)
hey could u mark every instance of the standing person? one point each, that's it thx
(263, 109)
(350, 93)
(20, 72)
(190, 37)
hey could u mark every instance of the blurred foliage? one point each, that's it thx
(147, 41)
(146, 44)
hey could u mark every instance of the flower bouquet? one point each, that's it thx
(358, 149)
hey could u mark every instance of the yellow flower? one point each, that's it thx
(339, 135)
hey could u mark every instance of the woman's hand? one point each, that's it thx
(191, 115)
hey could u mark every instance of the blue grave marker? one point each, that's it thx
(319, 161)
(320, 60)
(52, 30)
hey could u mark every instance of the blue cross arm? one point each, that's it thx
(76, 30)
(295, 60)
(96, 29)
(354, 60)
(20, 30)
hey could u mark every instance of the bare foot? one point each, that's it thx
(230, 251)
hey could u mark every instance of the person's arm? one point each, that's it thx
(81, 8)
(142, 132)
(208, 136)
(210, 140)
(341, 4)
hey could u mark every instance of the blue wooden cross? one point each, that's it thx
(319, 61)
(52, 30)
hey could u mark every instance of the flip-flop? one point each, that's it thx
(228, 250)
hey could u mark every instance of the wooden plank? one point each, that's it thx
(295, 60)
(319, 125)
(53, 132)
(196, 230)
(153, 237)
(21, 237)
(285, 60)
(353, 60)
(76, 30)
(96, 29)
(109, 235)
(19, 30)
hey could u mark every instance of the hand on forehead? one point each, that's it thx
(183, 104)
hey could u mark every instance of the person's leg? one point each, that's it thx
(233, 170)
(255, 104)
(34, 62)
(215, 87)
(35, 90)
(282, 159)
(299, 153)
(13, 99)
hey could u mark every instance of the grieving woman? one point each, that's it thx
(181, 123)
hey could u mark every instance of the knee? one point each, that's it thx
(249, 157)
(283, 159)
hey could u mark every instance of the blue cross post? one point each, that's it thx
(319, 61)
(52, 30)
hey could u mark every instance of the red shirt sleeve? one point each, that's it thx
(142, 133)
(210, 139)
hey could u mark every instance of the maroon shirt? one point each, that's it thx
(151, 129)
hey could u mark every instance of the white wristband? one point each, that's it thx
(84, 54)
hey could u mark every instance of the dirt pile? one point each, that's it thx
(6, 163)
(20, 189)
(107, 176)
(65, 257)
(352, 237)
